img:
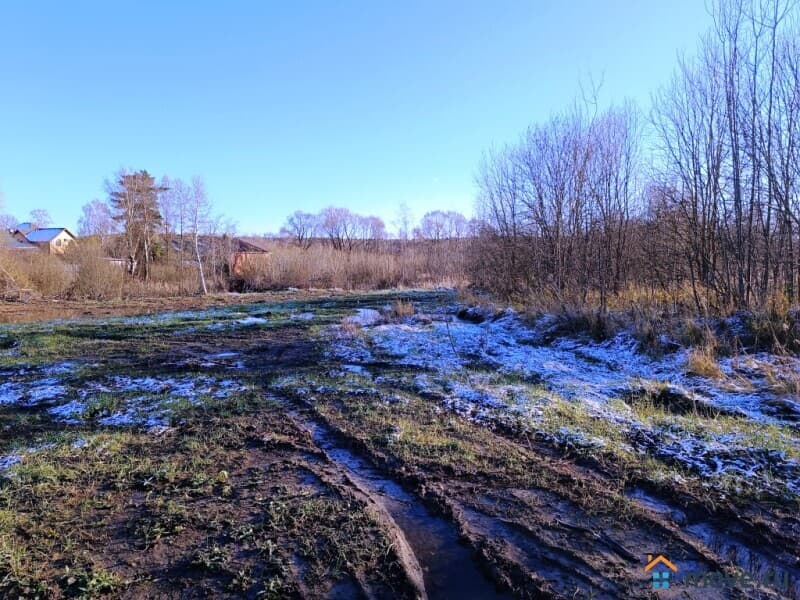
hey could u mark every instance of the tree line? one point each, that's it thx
(702, 193)
(145, 220)
(343, 229)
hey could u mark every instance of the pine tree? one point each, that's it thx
(134, 198)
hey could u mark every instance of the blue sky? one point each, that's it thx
(300, 105)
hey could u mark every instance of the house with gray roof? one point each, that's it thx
(9, 242)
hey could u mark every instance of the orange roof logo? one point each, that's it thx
(661, 576)
(653, 561)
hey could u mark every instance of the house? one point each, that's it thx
(26, 227)
(249, 255)
(9, 242)
(53, 239)
(659, 568)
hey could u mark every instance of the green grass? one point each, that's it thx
(186, 485)
(746, 432)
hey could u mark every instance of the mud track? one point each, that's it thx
(471, 510)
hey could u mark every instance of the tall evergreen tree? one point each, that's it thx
(134, 199)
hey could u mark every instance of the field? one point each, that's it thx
(385, 445)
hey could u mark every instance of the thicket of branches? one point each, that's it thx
(339, 248)
(164, 230)
(703, 195)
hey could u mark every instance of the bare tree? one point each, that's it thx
(302, 227)
(175, 200)
(40, 217)
(728, 131)
(402, 222)
(340, 226)
(96, 220)
(8, 221)
(199, 212)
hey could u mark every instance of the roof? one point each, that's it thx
(251, 244)
(26, 227)
(46, 234)
(9, 242)
(652, 562)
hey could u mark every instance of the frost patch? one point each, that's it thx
(364, 317)
(247, 321)
(306, 316)
(348, 349)
(48, 391)
(151, 407)
(453, 357)
(6, 462)
(357, 369)
(251, 321)
(64, 368)
(10, 393)
(31, 393)
(69, 412)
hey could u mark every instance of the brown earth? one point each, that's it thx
(47, 309)
(310, 494)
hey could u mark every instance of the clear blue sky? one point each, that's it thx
(299, 105)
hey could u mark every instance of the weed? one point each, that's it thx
(213, 560)
(402, 309)
(701, 361)
(102, 405)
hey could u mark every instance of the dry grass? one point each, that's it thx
(402, 309)
(323, 267)
(782, 381)
(96, 278)
(166, 280)
(702, 361)
(350, 327)
(84, 273)
(46, 274)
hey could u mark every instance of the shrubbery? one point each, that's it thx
(321, 266)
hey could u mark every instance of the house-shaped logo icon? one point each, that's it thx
(659, 567)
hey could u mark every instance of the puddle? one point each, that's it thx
(657, 505)
(754, 562)
(449, 569)
(724, 543)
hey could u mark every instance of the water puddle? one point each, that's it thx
(449, 569)
(656, 505)
(756, 561)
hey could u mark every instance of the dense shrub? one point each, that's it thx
(325, 267)
(39, 271)
(97, 277)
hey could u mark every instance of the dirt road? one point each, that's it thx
(339, 447)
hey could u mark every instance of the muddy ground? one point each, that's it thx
(380, 446)
(50, 309)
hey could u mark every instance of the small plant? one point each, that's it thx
(212, 560)
(90, 584)
(102, 405)
(350, 327)
(701, 361)
(165, 519)
(242, 581)
(402, 309)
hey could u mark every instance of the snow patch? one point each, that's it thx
(8, 461)
(251, 321)
(305, 316)
(364, 317)
(453, 357)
